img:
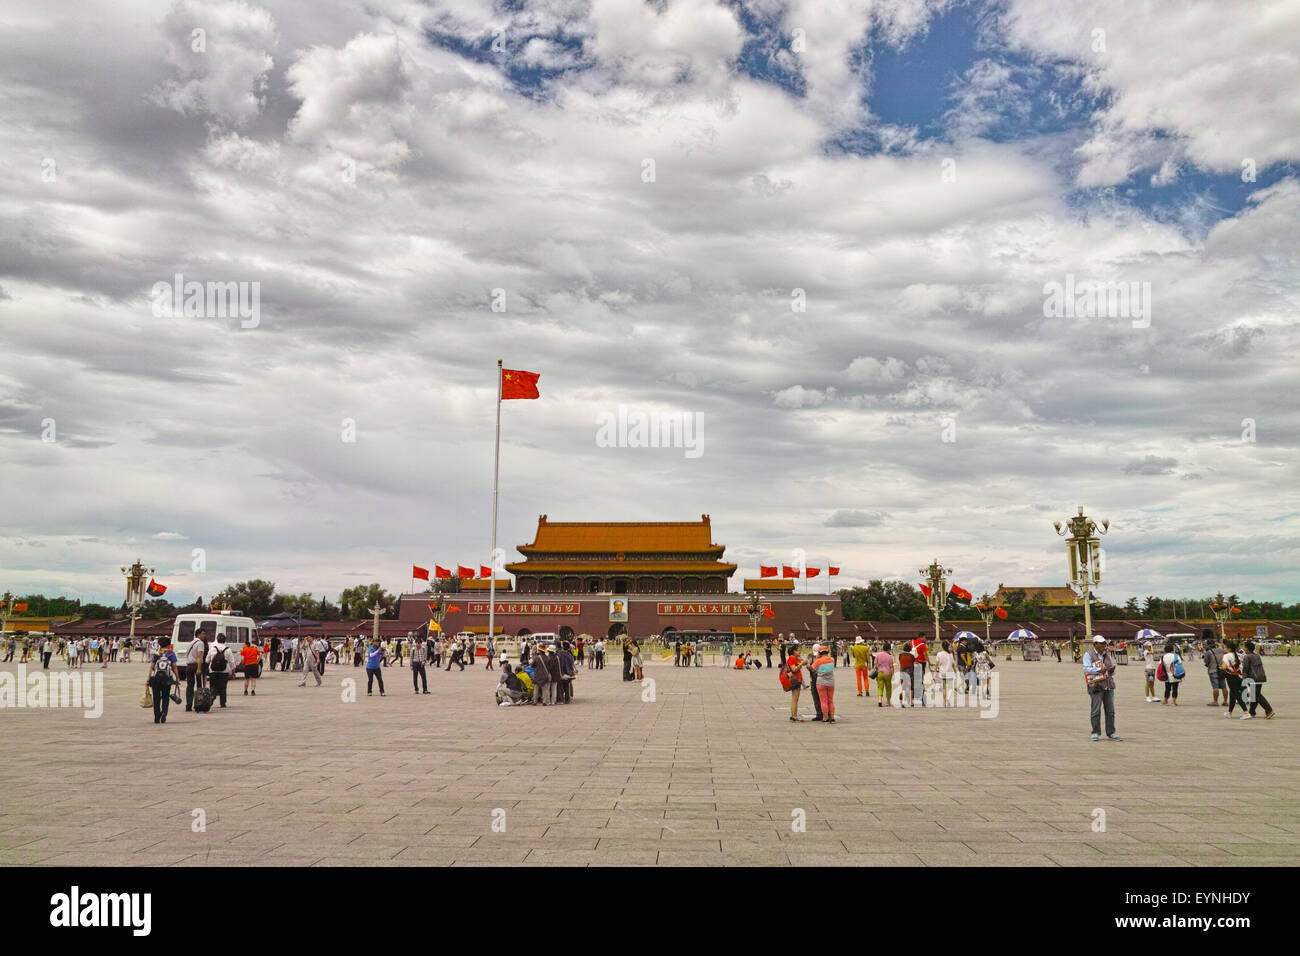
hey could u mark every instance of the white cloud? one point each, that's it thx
(222, 53)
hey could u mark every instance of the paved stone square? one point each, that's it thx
(710, 772)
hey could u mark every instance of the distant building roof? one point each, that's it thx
(1052, 597)
(636, 536)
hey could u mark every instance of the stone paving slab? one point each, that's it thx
(708, 773)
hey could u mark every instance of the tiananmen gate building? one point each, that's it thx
(644, 578)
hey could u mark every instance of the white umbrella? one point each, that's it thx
(969, 635)
(1147, 634)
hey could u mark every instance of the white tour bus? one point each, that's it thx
(233, 629)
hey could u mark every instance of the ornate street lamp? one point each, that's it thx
(6, 609)
(135, 576)
(936, 577)
(438, 611)
(989, 609)
(1223, 609)
(1083, 546)
(754, 610)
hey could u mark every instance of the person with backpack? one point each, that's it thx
(526, 680)
(1230, 666)
(252, 659)
(906, 663)
(1171, 671)
(310, 667)
(1252, 670)
(219, 668)
(162, 675)
(543, 691)
(510, 689)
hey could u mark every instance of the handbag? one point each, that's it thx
(147, 699)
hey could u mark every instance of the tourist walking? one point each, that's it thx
(600, 654)
(1099, 676)
(726, 654)
(885, 676)
(374, 667)
(1171, 666)
(1252, 670)
(47, 651)
(860, 653)
(1210, 658)
(252, 658)
(1230, 666)
(419, 655)
(322, 649)
(196, 664)
(162, 675)
(310, 666)
(219, 667)
(920, 663)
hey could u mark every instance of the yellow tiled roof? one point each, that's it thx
(640, 536)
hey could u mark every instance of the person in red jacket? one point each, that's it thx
(921, 653)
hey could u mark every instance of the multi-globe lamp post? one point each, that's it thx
(754, 611)
(936, 579)
(1223, 609)
(1083, 546)
(135, 576)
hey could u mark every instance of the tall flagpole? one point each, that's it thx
(496, 472)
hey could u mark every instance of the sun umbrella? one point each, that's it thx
(969, 635)
(1147, 634)
(1021, 634)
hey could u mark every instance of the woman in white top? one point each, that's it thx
(1171, 682)
(947, 674)
(1149, 658)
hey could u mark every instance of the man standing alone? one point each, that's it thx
(419, 654)
(1099, 675)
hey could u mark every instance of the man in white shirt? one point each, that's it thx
(195, 665)
(309, 664)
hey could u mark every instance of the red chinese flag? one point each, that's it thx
(766, 572)
(453, 609)
(1001, 613)
(788, 572)
(484, 571)
(925, 589)
(834, 571)
(517, 384)
(20, 606)
(155, 589)
(440, 572)
(464, 572)
(768, 612)
(812, 572)
(419, 572)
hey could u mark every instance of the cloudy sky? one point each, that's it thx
(823, 230)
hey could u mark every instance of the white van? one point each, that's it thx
(233, 629)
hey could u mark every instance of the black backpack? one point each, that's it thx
(219, 660)
(162, 669)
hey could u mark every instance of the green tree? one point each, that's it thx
(256, 598)
(360, 599)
